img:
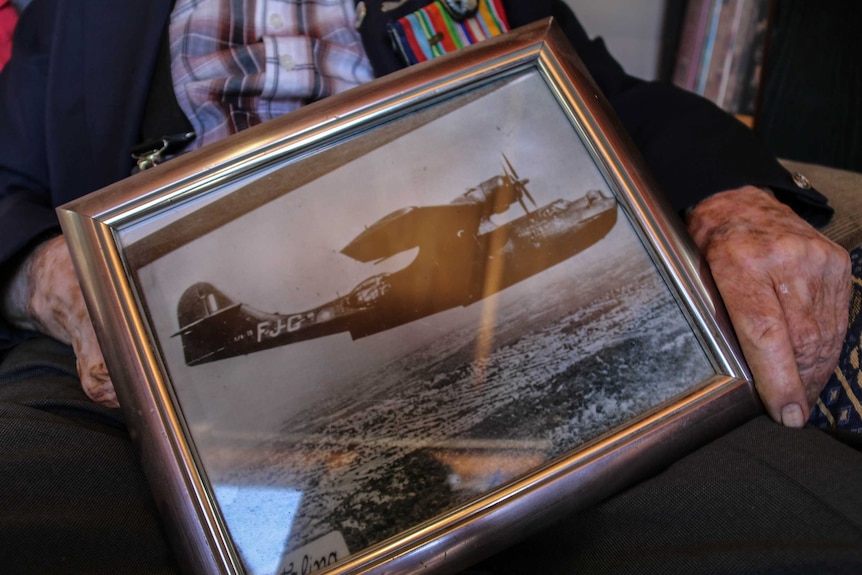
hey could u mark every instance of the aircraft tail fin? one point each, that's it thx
(206, 316)
(199, 302)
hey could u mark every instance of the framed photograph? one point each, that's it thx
(406, 325)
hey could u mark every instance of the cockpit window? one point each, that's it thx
(594, 195)
(369, 290)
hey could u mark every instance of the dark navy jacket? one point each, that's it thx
(73, 95)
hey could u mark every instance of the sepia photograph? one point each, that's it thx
(421, 324)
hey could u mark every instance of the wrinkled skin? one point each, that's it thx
(55, 306)
(786, 288)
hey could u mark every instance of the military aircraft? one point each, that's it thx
(462, 257)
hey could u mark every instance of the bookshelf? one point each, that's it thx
(721, 50)
(792, 69)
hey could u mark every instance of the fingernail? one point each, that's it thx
(791, 415)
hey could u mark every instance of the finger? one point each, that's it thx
(812, 331)
(92, 371)
(98, 386)
(840, 284)
(764, 337)
(815, 306)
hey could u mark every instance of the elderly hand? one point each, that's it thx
(786, 288)
(45, 296)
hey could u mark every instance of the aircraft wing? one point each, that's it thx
(405, 229)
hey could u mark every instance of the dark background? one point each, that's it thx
(810, 99)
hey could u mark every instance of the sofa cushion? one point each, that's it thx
(844, 191)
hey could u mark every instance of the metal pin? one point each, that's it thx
(359, 15)
(392, 5)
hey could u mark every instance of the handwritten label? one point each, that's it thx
(315, 556)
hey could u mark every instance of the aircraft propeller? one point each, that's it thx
(519, 184)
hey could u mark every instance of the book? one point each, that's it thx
(721, 51)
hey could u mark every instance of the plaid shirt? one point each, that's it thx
(237, 63)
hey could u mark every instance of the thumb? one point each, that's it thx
(92, 371)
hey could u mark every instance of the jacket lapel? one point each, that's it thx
(119, 58)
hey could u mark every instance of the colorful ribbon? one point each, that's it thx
(432, 31)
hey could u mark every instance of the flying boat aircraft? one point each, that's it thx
(462, 257)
